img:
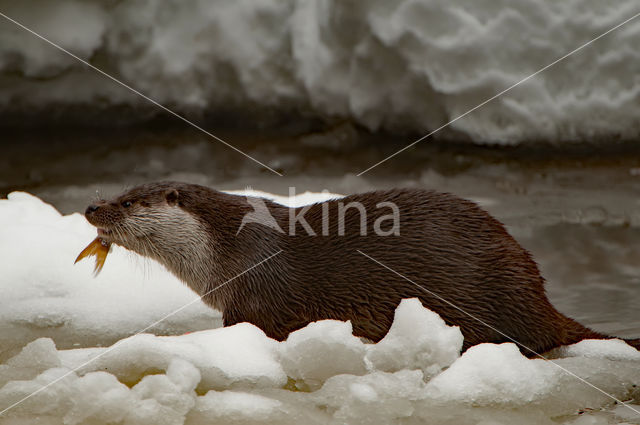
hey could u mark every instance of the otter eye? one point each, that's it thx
(126, 204)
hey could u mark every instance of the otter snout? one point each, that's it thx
(94, 208)
(102, 214)
(91, 209)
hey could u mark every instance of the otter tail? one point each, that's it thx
(575, 332)
(635, 343)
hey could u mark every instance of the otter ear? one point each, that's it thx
(171, 195)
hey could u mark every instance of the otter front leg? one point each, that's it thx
(231, 317)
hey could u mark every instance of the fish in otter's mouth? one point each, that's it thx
(98, 247)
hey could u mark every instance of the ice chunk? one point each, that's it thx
(35, 358)
(48, 394)
(184, 374)
(99, 397)
(490, 373)
(378, 397)
(418, 339)
(321, 350)
(236, 407)
(499, 375)
(161, 401)
(236, 356)
(613, 349)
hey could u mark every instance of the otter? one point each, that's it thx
(324, 261)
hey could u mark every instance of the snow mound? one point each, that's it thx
(615, 349)
(492, 375)
(411, 65)
(234, 357)
(431, 347)
(321, 350)
(237, 375)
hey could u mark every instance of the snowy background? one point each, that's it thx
(406, 66)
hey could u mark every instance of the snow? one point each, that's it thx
(432, 347)
(615, 350)
(409, 65)
(227, 357)
(321, 350)
(236, 404)
(495, 374)
(321, 374)
(293, 200)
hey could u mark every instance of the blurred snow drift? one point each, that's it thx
(407, 65)
(236, 375)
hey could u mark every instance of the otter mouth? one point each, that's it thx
(104, 233)
(115, 235)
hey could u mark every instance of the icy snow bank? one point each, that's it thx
(411, 64)
(225, 357)
(417, 347)
(238, 375)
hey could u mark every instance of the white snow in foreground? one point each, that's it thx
(411, 65)
(320, 374)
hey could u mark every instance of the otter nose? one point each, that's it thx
(91, 209)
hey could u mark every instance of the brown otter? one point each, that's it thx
(461, 255)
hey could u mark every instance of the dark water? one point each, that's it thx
(577, 209)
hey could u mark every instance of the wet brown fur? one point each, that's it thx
(447, 245)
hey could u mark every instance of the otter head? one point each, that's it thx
(151, 220)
